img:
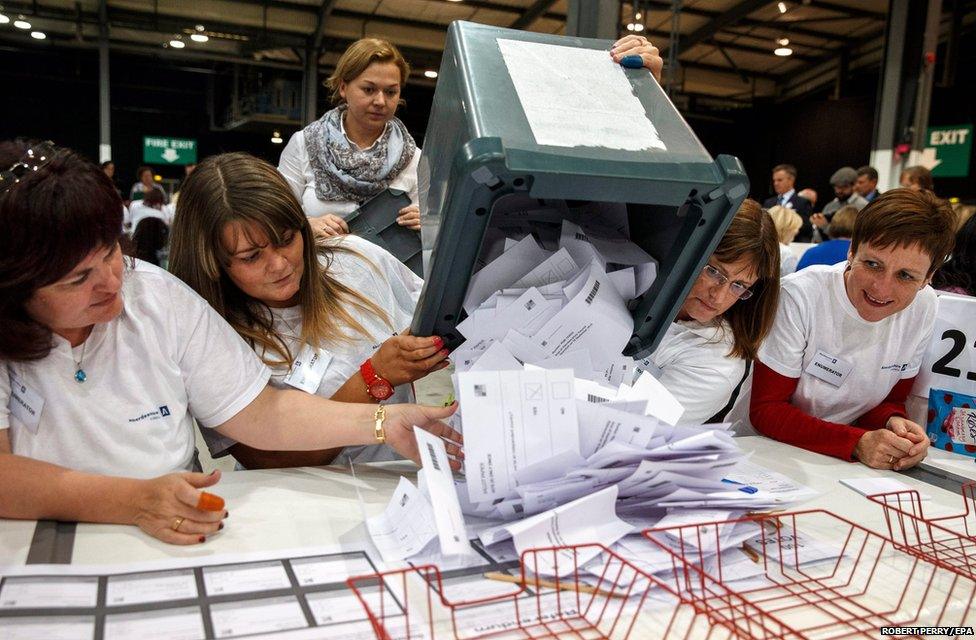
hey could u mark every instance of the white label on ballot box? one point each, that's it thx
(950, 362)
(25, 404)
(829, 369)
(309, 367)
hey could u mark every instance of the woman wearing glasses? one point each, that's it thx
(105, 363)
(848, 339)
(723, 319)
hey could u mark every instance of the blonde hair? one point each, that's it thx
(787, 221)
(358, 57)
(237, 187)
(842, 224)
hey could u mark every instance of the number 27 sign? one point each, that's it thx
(950, 362)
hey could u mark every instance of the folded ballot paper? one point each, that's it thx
(565, 441)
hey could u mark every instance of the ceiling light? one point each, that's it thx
(38, 35)
(637, 16)
(782, 7)
(783, 51)
(430, 73)
(20, 23)
(276, 137)
(638, 27)
(630, 26)
(4, 19)
(783, 42)
(177, 44)
(199, 37)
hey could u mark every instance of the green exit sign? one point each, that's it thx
(160, 150)
(948, 149)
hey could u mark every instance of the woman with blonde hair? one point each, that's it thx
(324, 316)
(359, 148)
(788, 223)
(724, 318)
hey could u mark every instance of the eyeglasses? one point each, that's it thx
(35, 157)
(738, 289)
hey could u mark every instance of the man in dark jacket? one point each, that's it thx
(784, 181)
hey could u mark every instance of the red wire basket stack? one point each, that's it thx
(551, 596)
(819, 576)
(813, 575)
(949, 541)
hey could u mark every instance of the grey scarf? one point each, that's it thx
(343, 171)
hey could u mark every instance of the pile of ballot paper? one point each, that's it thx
(566, 441)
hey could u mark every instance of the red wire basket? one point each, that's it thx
(618, 601)
(949, 541)
(818, 576)
(813, 575)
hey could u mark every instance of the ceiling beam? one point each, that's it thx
(325, 10)
(853, 12)
(714, 25)
(532, 13)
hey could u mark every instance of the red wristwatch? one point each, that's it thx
(377, 387)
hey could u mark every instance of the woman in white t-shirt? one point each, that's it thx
(724, 318)
(788, 223)
(358, 149)
(848, 339)
(241, 241)
(105, 363)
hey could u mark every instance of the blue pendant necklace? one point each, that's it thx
(80, 375)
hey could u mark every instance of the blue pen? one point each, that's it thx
(742, 487)
(632, 61)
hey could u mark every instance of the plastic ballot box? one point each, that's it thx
(526, 128)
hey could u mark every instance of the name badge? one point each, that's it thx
(25, 404)
(829, 369)
(309, 368)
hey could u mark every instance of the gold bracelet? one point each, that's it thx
(379, 432)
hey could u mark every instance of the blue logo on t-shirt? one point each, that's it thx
(164, 410)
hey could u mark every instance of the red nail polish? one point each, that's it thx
(444, 352)
(220, 526)
(202, 539)
(438, 342)
(226, 514)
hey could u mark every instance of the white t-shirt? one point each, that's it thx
(382, 279)
(692, 362)
(815, 315)
(139, 212)
(787, 260)
(166, 359)
(297, 170)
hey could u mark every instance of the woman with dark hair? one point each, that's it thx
(848, 339)
(145, 183)
(724, 318)
(958, 274)
(917, 178)
(149, 240)
(96, 405)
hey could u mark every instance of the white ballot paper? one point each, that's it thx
(503, 271)
(876, 486)
(595, 320)
(590, 519)
(513, 419)
(440, 488)
(574, 97)
(406, 526)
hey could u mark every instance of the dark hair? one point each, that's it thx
(788, 168)
(49, 222)
(902, 218)
(752, 234)
(106, 163)
(868, 171)
(142, 170)
(960, 269)
(150, 236)
(154, 198)
(919, 175)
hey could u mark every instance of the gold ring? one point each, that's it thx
(176, 523)
(891, 459)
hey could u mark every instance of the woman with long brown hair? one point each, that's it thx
(724, 318)
(324, 317)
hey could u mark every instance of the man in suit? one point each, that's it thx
(866, 184)
(784, 181)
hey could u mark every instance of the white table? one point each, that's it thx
(307, 507)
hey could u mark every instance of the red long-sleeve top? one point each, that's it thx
(772, 415)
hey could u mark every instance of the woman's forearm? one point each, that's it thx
(35, 490)
(287, 419)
